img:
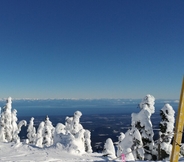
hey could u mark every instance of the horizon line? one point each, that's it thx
(4, 99)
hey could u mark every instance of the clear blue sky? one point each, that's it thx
(91, 48)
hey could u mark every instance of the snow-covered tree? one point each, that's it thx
(48, 132)
(31, 132)
(68, 124)
(59, 132)
(128, 155)
(20, 124)
(6, 119)
(2, 132)
(166, 130)
(14, 125)
(9, 129)
(60, 128)
(109, 149)
(72, 135)
(131, 141)
(71, 143)
(76, 126)
(137, 147)
(39, 135)
(79, 142)
(143, 123)
(72, 124)
(87, 141)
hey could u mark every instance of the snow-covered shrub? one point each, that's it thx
(143, 123)
(166, 130)
(109, 149)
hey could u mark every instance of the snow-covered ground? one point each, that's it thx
(26, 153)
(11, 152)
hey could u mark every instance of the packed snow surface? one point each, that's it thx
(11, 152)
(26, 153)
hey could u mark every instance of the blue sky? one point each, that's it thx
(91, 48)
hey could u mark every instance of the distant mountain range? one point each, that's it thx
(80, 102)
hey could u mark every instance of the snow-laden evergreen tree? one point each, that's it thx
(6, 119)
(80, 133)
(137, 147)
(71, 143)
(20, 124)
(143, 123)
(2, 136)
(68, 124)
(9, 129)
(31, 132)
(87, 141)
(124, 146)
(2, 132)
(39, 135)
(129, 155)
(75, 129)
(14, 125)
(131, 141)
(59, 132)
(48, 133)
(109, 149)
(72, 135)
(72, 124)
(166, 130)
(60, 128)
(76, 126)
(78, 143)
